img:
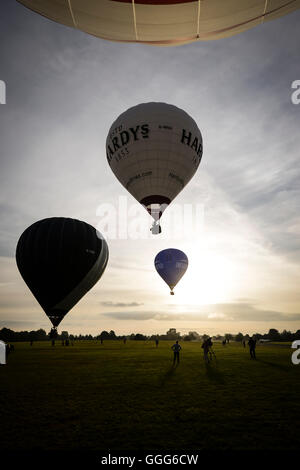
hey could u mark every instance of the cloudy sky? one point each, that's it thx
(65, 88)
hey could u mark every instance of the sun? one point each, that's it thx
(209, 279)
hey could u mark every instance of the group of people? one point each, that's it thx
(208, 351)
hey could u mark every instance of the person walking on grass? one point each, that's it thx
(176, 348)
(252, 346)
(206, 349)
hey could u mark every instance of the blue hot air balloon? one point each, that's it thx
(171, 265)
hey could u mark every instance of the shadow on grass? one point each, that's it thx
(169, 374)
(275, 365)
(213, 373)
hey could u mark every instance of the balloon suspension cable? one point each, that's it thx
(53, 333)
(72, 14)
(156, 228)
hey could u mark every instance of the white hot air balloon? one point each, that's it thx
(154, 149)
(162, 22)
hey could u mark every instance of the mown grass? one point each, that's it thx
(129, 397)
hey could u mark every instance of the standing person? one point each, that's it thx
(53, 335)
(252, 346)
(206, 347)
(176, 348)
(7, 349)
(210, 350)
(156, 342)
(31, 342)
(244, 343)
(124, 340)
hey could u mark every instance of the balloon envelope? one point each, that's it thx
(171, 264)
(162, 22)
(154, 149)
(60, 260)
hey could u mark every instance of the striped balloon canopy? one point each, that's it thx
(162, 22)
(60, 260)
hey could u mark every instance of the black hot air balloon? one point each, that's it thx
(61, 259)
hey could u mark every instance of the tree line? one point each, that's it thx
(10, 336)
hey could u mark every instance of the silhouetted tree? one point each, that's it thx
(273, 335)
(239, 337)
(286, 336)
(140, 337)
(297, 335)
(104, 335)
(6, 335)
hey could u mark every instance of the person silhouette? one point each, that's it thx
(176, 348)
(206, 349)
(252, 346)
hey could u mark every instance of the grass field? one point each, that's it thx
(129, 397)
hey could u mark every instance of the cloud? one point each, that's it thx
(130, 266)
(110, 303)
(218, 316)
(14, 324)
(130, 315)
(238, 312)
(5, 284)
